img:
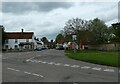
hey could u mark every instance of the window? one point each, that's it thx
(16, 46)
(6, 46)
(6, 41)
(16, 40)
(27, 40)
(27, 46)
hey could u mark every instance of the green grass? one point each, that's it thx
(109, 58)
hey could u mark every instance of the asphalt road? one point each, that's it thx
(52, 66)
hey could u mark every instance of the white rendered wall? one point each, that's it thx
(11, 42)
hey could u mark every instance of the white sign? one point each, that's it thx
(74, 37)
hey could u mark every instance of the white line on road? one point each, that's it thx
(37, 74)
(75, 66)
(58, 64)
(13, 69)
(51, 63)
(85, 67)
(43, 62)
(109, 70)
(30, 59)
(27, 72)
(66, 65)
(95, 68)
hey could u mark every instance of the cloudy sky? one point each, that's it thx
(48, 18)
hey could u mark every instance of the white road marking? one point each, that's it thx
(35, 74)
(13, 69)
(95, 68)
(66, 65)
(109, 70)
(27, 72)
(51, 63)
(58, 64)
(30, 59)
(36, 61)
(43, 62)
(39, 61)
(75, 66)
(85, 67)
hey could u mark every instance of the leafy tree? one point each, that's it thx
(98, 31)
(45, 40)
(59, 38)
(76, 26)
(116, 31)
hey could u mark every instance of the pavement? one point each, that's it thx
(52, 66)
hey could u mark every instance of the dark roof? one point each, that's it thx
(19, 35)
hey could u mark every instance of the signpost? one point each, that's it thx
(74, 38)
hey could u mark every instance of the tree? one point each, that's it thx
(98, 31)
(116, 31)
(59, 39)
(76, 26)
(45, 40)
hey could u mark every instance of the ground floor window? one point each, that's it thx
(6, 46)
(16, 46)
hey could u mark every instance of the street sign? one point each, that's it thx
(74, 37)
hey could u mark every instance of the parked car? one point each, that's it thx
(60, 48)
(38, 49)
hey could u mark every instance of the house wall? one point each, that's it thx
(11, 43)
(105, 47)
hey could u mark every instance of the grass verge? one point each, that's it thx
(109, 58)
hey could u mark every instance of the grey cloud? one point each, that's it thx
(22, 7)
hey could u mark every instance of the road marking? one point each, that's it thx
(75, 66)
(27, 72)
(13, 69)
(85, 67)
(58, 64)
(95, 68)
(43, 62)
(51, 63)
(35, 74)
(30, 59)
(39, 61)
(109, 70)
(66, 65)
(36, 61)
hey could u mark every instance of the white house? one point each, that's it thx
(19, 40)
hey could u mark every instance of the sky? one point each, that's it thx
(49, 18)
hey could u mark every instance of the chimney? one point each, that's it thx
(22, 30)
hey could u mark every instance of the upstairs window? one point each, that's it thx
(6, 41)
(16, 40)
(27, 40)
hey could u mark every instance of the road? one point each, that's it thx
(53, 66)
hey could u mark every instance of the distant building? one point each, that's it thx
(19, 40)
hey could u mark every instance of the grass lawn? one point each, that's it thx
(109, 58)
